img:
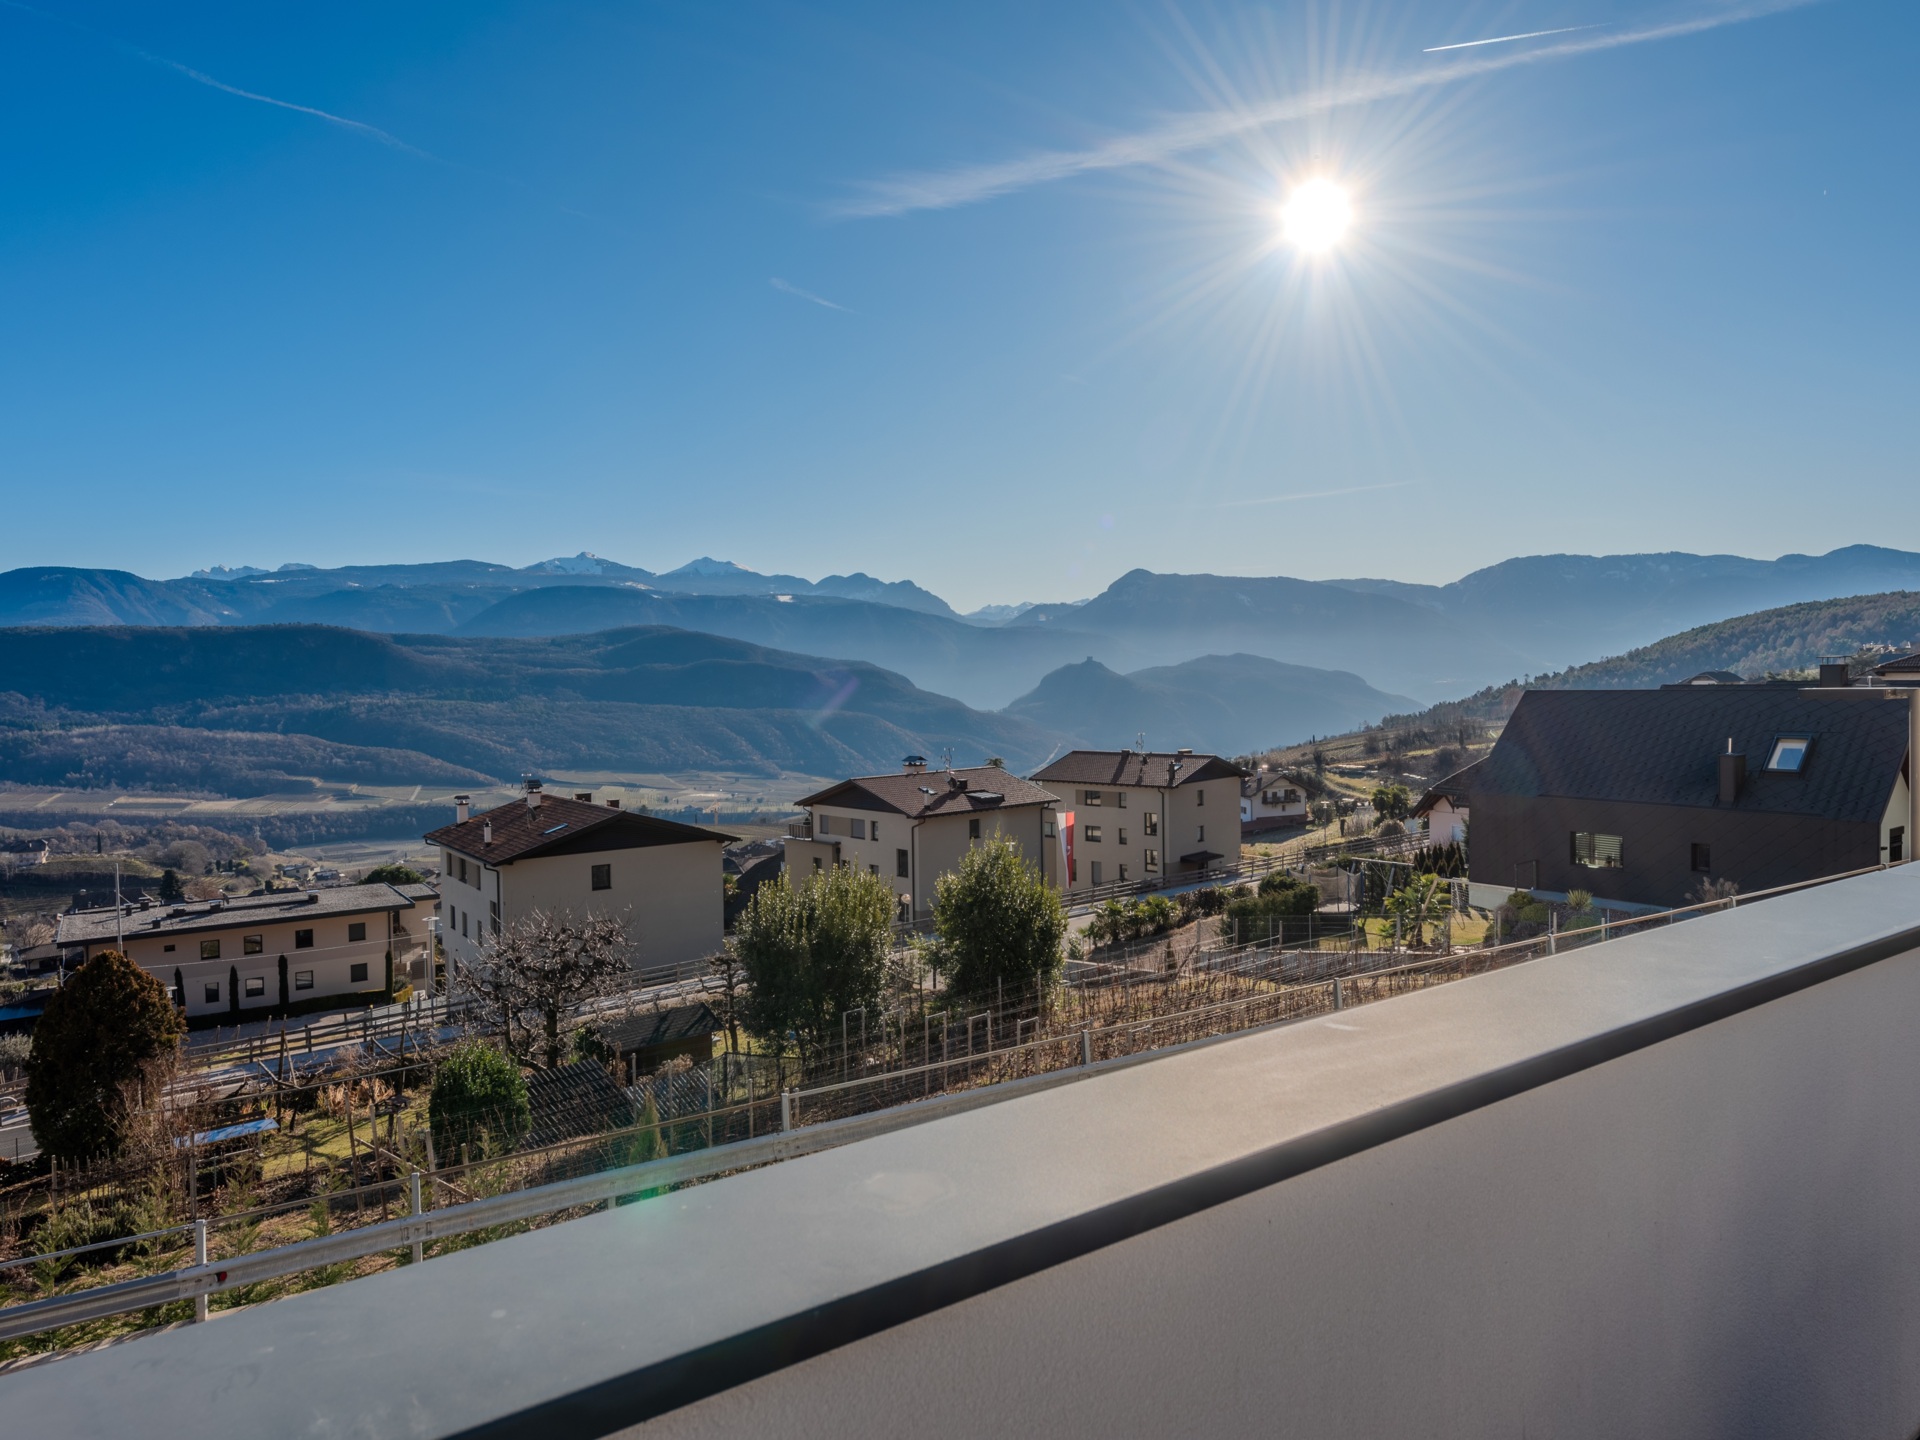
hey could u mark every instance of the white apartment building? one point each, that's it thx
(272, 950)
(913, 827)
(1127, 816)
(660, 878)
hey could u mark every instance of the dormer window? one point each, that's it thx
(1789, 754)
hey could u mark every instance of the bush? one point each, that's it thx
(479, 1100)
(1278, 911)
(997, 921)
(99, 1054)
(1448, 860)
(393, 875)
(1119, 921)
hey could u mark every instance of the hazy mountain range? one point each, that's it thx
(1520, 616)
(450, 673)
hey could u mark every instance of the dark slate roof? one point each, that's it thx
(659, 1027)
(272, 907)
(1899, 665)
(933, 792)
(574, 1100)
(1454, 788)
(1155, 770)
(558, 826)
(1661, 747)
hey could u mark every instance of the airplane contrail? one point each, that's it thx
(1503, 39)
(1313, 495)
(969, 184)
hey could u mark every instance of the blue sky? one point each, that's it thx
(1645, 285)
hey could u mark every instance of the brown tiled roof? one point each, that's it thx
(1151, 769)
(933, 792)
(558, 826)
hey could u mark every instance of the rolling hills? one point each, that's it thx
(353, 705)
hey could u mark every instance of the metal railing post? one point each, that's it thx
(786, 1110)
(413, 1194)
(1339, 996)
(200, 1258)
(1086, 1046)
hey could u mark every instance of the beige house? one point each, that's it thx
(1127, 816)
(271, 950)
(913, 827)
(661, 878)
(1444, 809)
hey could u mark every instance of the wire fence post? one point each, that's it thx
(413, 1194)
(1086, 1046)
(786, 1110)
(1339, 997)
(200, 1258)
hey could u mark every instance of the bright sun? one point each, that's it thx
(1316, 215)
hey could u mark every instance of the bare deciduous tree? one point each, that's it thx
(539, 969)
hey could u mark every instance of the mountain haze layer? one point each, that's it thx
(1229, 704)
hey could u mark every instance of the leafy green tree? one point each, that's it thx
(100, 1053)
(997, 921)
(812, 954)
(479, 1099)
(1392, 802)
(393, 875)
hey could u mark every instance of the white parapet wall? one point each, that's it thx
(1660, 1187)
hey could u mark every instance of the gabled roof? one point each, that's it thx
(1453, 788)
(1662, 747)
(1150, 769)
(1899, 665)
(559, 826)
(918, 794)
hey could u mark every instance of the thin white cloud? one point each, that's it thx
(1503, 39)
(1312, 495)
(969, 184)
(784, 288)
(372, 132)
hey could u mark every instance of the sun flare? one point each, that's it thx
(1315, 216)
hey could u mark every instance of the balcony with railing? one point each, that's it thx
(1655, 1186)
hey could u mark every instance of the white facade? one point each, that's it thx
(266, 953)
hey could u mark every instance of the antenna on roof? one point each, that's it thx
(946, 757)
(1140, 742)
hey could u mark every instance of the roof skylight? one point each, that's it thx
(1789, 753)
